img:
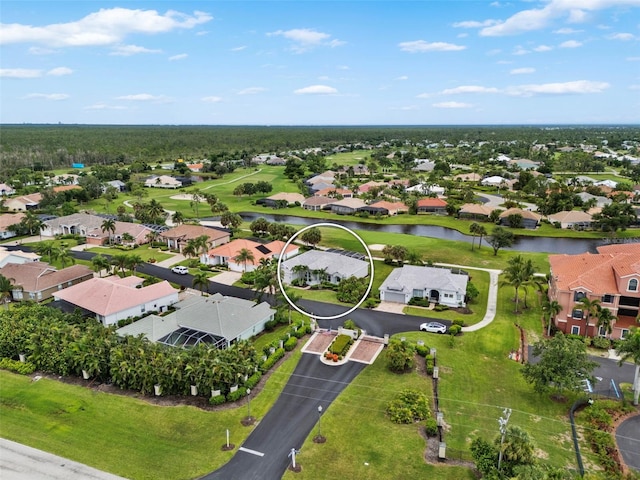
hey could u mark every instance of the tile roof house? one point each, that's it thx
(475, 211)
(274, 200)
(333, 192)
(611, 276)
(215, 320)
(324, 177)
(225, 254)
(383, 207)
(365, 187)
(16, 256)
(39, 281)
(23, 202)
(177, 237)
(599, 199)
(6, 220)
(574, 219)
(346, 206)
(90, 227)
(432, 205)
(529, 219)
(317, 203)
(315, 266)
(114, 298)
(439, 285)
(6, 190)
(316, 187)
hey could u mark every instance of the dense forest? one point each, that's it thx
(55, 146)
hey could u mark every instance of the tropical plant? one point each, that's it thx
(99, 263)
(590, 308)
(244, 256)
(629, 349)
(127, 238)
(120, 261)
(177, 218)
(133, 262)
(201, 281)
(312, 237)
(500, 238)
(400, 356)
(65, 257)
(109, 226)
(606, 319)
(552, 308)
(6, 288)
(32, 223)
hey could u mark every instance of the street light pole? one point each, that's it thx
(248, 403)
(319, 420)
(503, 421)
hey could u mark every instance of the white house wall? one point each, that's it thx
(153, 305)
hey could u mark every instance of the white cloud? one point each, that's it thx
(468, 89)
(625, 37)
(522, 71)
(424, 95)
(407, 108)
(573, 11)
(251, 90)
(104, 106)
(239, 49)
(211, 99)
(40, 51)
(577, 87)
(180, 56)
(59, 71)
(452, 105)
(144, 97)
(20, 73)
(48, 96)
(316, 90)
(570, 44)
(567, 31)
(402, 77)
(128, 50)
(542, 48)
(107, 26)
(418, 46)
(519, 50)
(304, 39)
(474, 24)
(343, 67)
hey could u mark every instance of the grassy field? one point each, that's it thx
(124, 435)
(144, 251)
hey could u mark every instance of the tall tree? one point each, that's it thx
(65, 257)
(201, 282)
(6, 288)
(109, 226)
(605, 320)
(473, 228)
(590, 308)
(312, 237)
(553, 308)
(99, 263)
(629, 349)
(244, 256)
(500, 238)
(32, 223)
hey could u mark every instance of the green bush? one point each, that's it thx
(217, 400)
(408, 407)
(458, 321)
(429, 363)
(237, 395)
(419, 302)
(601, 343)
(341, 344)
(455, 329)
(290, 344)
(270, 325)
(23, 368)
(431, 427)
(271, 361)
(440, 308)
(253, 380)
(422, 350)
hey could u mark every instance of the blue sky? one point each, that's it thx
(320, 62)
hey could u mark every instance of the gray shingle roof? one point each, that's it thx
(412, 277)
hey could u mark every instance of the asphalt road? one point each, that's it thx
(265, 453)
(628, 438)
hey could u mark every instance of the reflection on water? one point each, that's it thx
(525, 244)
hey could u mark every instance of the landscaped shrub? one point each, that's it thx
(431, 427)
(290, 344)
(23, 368)
(270, 325)
(440, 308)
(422, 350)
(408, 407)
(352, 289)
(271, 361)
(341, 344)
(429, 363)
(458, 321)
(217, 400)
(455, 329)
(419, 302)
(253, 380)
(237, 395)
(371, 303)
(601, 342)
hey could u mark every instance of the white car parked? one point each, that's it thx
(433, 327)
(180, 270)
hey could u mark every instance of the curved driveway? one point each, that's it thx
(628, 439)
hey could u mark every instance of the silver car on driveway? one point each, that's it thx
(433, 327)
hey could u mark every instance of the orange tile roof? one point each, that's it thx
(230, 250)
(431, 202)
(194, 231)
(64, 188)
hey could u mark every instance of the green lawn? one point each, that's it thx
(124, 435)
(144, 251)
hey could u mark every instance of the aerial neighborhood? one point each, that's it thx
(217, 279)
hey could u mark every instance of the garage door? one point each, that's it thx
(394, 297)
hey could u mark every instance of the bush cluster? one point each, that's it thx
(601, 343)
(419, 302)
(431, 427)
(408, 407)
(217, 400)
(440, 308)
(422, 350)
(291, 343)
(455, 329)
(271, 361)
(429, 363)
(341, 345)
(16, 366)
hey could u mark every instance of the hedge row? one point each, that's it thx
(23, 368)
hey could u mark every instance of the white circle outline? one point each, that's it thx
(293, 237)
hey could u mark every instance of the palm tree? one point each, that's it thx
(6, 287)
(127, 237)
(481, 232)
(99, 263)
(120, 261)
(46, 248)
(590, 307)
(190, 249)
(414, 258)
(473, 228)
(553, 308)
(202, 244)
(514, 274)
(109, 225)
(152, 236)
(196, 198)
(177, 218)
(244, 256)
(606, 319)
(201, 281)
(32, 223)
(133, 262)
(629, 349)
(65, 257)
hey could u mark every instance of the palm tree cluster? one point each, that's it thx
(520, 274)
(52, 253)
(120, 262)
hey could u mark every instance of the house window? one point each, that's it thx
(142, 308)
(624, 333)
(418, 293)
(575, 330)
(633, 285)
(602, 332)
(579, 296)
(607, 298)
(577, 313)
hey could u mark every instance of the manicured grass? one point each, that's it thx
(478, 307)
(123, 435)
(348, 159)
(143, 251)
